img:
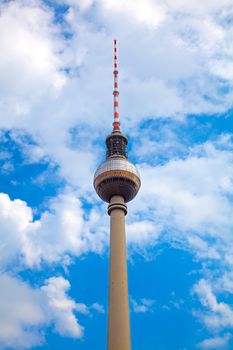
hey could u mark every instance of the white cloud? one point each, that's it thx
(216, 342)
(22, 314)
(189, 201)
(225, 282)
(217, 315)
(175, 59)
(35, 93)
(60, 234)
(147, 12)
(30, 67)
(148, 74)
(97, 307)
(62, 308)
(144, 305)
(190, 195)
(196, 6)
(15, 217)
(83, 5)
(141, 233)
(41, 99)
(27, 311)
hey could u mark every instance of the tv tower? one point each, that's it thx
(117, 181)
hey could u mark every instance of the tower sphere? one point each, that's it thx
(117, 176)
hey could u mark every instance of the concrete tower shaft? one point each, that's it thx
(118, 307)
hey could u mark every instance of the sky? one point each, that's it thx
(176, 107)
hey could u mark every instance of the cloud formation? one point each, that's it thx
(216, 342)
(56, 237)
(51, 95)
(176, 61)
(142, 306)
(218, 315)
(27, 311)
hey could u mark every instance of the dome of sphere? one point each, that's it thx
(117, 176)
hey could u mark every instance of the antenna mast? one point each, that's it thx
(116, 122)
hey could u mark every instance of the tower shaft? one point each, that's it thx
(118, 308)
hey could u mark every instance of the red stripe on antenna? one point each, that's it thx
(116, 126)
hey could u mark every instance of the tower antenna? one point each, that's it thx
(116, 120)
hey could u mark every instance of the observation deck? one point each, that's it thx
(117, 176)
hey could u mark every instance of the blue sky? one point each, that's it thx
(176, 79)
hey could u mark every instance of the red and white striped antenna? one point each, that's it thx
(116, 121)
